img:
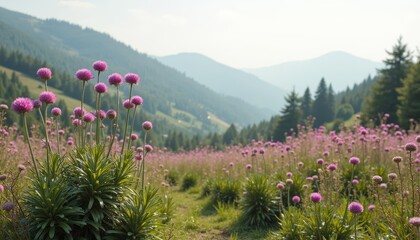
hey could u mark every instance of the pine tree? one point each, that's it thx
(291, 116)
(230, 137)
(306, 105)
(384, 96)
(331, 104)
(320, 107)
(409, 104)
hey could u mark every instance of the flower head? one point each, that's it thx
(411, 147)
(148, 148)
(101, 88)
(332, 167)
(44, 73)
(8, 206)
(296, 199)
(320, 161)
(371, 207)
(127, 104)
(99, 66)
(78, 112)
(280, 185)
(147, 125)
(397, 159)
(47, 97)
(134, 136)
(137, 100)
(316, 197)
(37, 103)
(248, 166)
(354, 160)
(111, 114)
(1, 188)
(132, 78)
(355, 207)
(56, 112)
(3, 107)
(22, 105)
(115, 79)
(89, 117)
(392, 176)
(415, 221)
(377, 179)
(84, 74)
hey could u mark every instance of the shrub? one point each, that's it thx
(189, 181)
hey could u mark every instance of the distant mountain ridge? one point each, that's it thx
(227, 80)
(69, 47)
(339, 68)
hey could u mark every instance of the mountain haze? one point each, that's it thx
(339, 68)
(227, 80)
(68, 47)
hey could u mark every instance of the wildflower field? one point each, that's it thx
(99, 180)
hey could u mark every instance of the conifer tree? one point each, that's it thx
(306, 105)
(409, 104)
(230, 137)
(331, 104)
(384, 96)
(291, 116)
(320, 106)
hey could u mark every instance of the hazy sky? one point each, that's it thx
(243, 33)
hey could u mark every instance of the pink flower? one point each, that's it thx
(111, 114)
(56, 112)
(415, 221)
(78, 112)
(99, 66)
(148, 148)
(115, 79)
(316, 197)
(355, 207)
(22, 105)
(296, 199)
(147, 125)
(47, 97)
(354, 160)
(44, 73)
(411, 147)
(134, 136)
(84, 74)
(132, 78)
(88, 118)
(101, 88)
(332, 167)
(1, 188)
(127, 104)
(280, 186)
(137, 100)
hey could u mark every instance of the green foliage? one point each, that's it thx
(306, 105)
(409, 93)
(291, 116)
(52, 204)
(140, 217)
(384, 92)
(189, 181)
(320, 109)
(290, 224)
(172, 177)
(258, 204)
(345, 111)
(225, 191)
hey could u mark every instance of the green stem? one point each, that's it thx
(29, 144)
(58, 137)
(126, 120)
(98, 119)
(132, 126)
(81, 132)
(143, 163)
(112, 134)
(412, 186)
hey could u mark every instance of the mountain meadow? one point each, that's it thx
(101, 141)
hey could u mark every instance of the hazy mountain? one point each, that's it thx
(68, 47)
(339, 68)
(227, 80)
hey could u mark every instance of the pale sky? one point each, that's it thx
(243, 33)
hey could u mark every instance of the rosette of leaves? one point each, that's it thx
(52, 204)
(258, 204)
(291, 225)
(189, 181)
(103, 184)
(140, 217)
(225, 191)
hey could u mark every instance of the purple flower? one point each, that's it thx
(134, 136)
(355, 182)
(132, 78)
(22, 105)
(111, 114)
(56, 112)
(47, 97)
(320, 161)
(44, 73)
(99, 66)
(37, 103)
(377, 179)
(415, 221)
(355, 207)
(147, 125)
(84, 74)
(248, 166)
(397, 159)
(354, 160)
(289, 174)
(332, 167)
(411, 147)
(280, 186)
(101, 88)
(100, 113)
(148, 148)
(88, 118)
(78, 112)
(137, 100)
(115, 79)
(371, 207)
(296, 199)
(1, 188)
(316, 197)
(392, 176)
(127, 104)
(21, 167)
(8, 206)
